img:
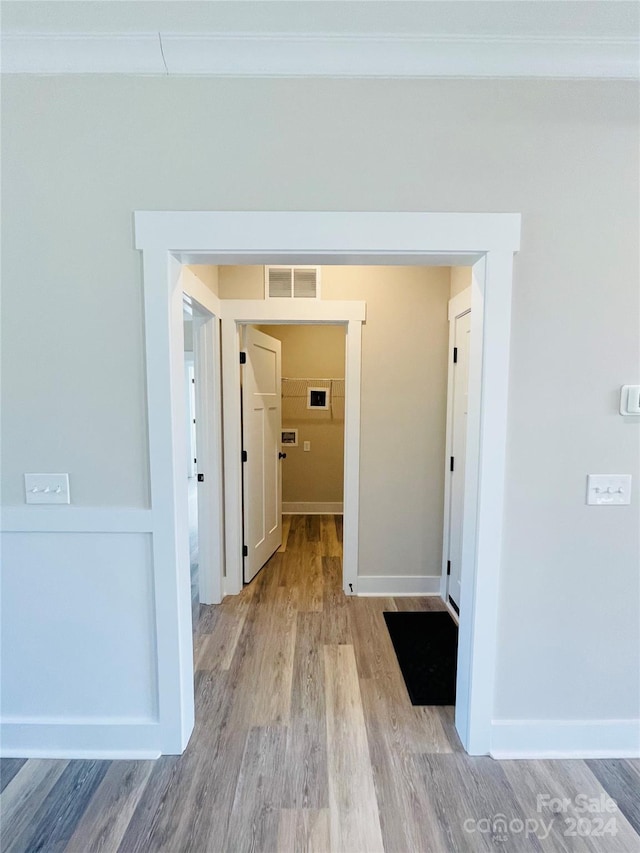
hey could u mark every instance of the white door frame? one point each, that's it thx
(236, 313)
(486, 240)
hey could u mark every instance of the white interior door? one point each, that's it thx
(261, 434)
(190, 389)
(462, 338)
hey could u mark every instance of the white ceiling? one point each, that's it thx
(384, 38)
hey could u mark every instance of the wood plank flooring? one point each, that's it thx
(306, 742)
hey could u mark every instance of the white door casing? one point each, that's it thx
(261, 432)
(487, 241)
(458, 442)
(238, 313)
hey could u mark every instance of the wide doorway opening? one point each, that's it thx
(168, 240)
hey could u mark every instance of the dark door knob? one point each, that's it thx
(282, 455)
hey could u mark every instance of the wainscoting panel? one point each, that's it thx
(78, 642)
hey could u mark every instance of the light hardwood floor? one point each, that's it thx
(305, 740)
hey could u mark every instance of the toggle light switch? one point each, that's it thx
(47, 488)
(307, 445)
(608, 489)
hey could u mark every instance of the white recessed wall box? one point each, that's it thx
(289, 437)
(318, 398)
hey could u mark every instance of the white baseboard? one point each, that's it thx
(392, 585)
(565, 739)
(51, 740)
(312, 507)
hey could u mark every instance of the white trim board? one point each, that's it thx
(310, 237)
(75, 519)
(399, 585)
(73, 739)
(312, 507)
(565, 739)
(407, 238)
(386, 55)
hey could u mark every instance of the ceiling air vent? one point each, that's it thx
(292, 282)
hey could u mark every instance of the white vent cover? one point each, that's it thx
(292, 282)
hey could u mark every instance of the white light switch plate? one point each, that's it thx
(47, 488)
(630, 400)
(307, 446)
(608, 489)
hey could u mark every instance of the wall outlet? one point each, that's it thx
(47, 488)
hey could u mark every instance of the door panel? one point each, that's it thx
(458, 450)
(261, 433)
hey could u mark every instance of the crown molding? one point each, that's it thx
(322, 55)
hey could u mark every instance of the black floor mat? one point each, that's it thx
(426, 645)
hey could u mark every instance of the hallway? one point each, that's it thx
(305, 739)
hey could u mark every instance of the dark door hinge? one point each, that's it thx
(244, 456)
(448, 567)
(455, 355)
(194, 420)
(245, 551)
(243, 358)
(451, 464)
(201, 478)
(193, 381)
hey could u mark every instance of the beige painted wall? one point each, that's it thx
(207, 274)
(80, 153)
(460, 279)
(312, 352)
(241, 282)
(403, 409)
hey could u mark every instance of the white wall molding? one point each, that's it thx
(565, 739)
(81, 53)
(284, 311)
(75, 519)
(394, 585)
(408, 238)
(389, 55)
(72, 739)
(312, 507)
(71, 583)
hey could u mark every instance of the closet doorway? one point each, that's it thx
(293, 413)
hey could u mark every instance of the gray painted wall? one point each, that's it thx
(79, 155)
